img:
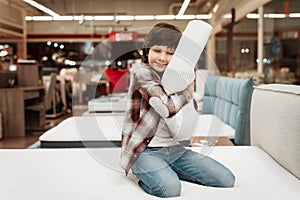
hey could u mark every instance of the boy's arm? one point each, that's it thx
(179, 99)
(171, 103)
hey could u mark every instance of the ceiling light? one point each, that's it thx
(274, 15)
(252, 16)
(41, 7)
(216, 7)
(42, 18)
(63, 18)
(204, 16)
(28, 18)
(164, 17)
(144, 17)
(88, 17)
(124, 17)
(104, 17)
(292, 15)
(117, 18)
(184, 6)
(185, 16)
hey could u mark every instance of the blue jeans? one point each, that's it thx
(160, 169)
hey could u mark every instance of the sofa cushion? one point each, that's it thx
(275, 125)
(230, 99)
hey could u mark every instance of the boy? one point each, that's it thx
(149, 148)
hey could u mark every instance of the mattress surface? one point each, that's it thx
(95, 130)
(114, 103)
(95, 174)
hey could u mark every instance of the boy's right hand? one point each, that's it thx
(191, 87)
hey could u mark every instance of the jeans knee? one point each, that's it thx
(173, 189)
(165, 189)
(229, 181)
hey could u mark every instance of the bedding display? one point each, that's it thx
(85, 131)
(104, 131)
(106, 104)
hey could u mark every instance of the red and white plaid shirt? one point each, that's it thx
(141, 120)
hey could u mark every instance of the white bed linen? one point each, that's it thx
(95, 174)
(109, 127)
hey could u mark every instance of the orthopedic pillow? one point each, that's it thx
(180, 71)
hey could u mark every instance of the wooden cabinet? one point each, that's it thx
(12, 106)
(29, 74)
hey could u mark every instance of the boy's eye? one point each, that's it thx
(156, 50)
(170, 53)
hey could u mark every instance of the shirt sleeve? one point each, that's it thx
(149, 82)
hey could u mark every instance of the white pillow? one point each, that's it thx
(183, 123)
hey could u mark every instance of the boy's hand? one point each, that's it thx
(191, 87)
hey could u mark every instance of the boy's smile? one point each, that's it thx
(159, 57)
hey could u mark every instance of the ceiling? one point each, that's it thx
(95, 7)
(126, 7)
(116, 7)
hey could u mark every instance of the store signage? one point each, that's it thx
(123, 36)
(291, 34)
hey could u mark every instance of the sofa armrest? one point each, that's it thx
(275, 127)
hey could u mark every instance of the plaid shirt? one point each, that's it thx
(141, 120)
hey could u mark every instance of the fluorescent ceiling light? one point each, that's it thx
(164, 17)
(124, 17)
(185, 17)
(252, 16)
(104, 17)
(292, 15)
(273, 15)
(42, 18)
(216, 7)
(63, 18)
(204, 16)
(88, 17)
(28, 18)
(144, 17)
(41, 7)
(118, 17)
(184, 6)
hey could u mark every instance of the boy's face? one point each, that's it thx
(159, 57)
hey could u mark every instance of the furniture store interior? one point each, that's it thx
(74, 104)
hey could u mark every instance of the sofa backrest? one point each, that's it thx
(275, 123)
(230, 99)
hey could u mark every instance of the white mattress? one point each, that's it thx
(114, 103)
(211, 125)
(95, 174)
(94, 129)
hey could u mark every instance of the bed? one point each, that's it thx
(105, 131)
(115, 102)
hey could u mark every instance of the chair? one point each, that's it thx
(38, 110)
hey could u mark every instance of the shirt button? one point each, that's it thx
(135, 156)
(148, 141)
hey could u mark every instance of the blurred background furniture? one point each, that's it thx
(38, 109)
(12, 106)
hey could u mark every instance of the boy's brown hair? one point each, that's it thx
(162, 34)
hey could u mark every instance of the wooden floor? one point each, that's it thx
(24, 142)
